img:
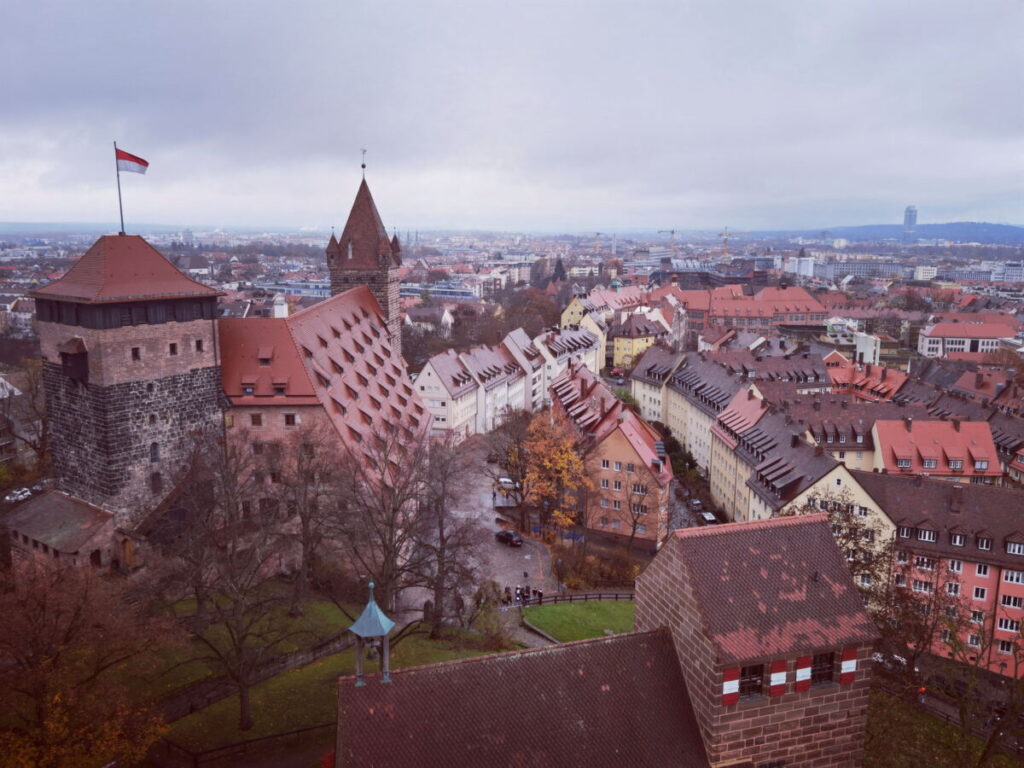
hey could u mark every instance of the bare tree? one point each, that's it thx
(26, 412)
(449, 541)
(242, 623)
(507, 445)
(376, 523)
(69, 641)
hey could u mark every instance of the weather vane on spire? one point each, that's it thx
(364, 163)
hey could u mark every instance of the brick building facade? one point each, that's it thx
(773, 640)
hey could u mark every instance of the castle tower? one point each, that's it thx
(130, 372)
(365, 256)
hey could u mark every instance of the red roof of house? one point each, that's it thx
(990, 330)
(123, 268)
(772, 588)
(942, 441)
(557, 706)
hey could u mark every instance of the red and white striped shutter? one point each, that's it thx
(803, 674)
(777, 681)
(848, 667)
(730, 686)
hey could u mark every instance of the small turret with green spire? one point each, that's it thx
(372, 624)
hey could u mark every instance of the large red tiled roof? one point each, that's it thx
(335, 353)
(942, 441)
(122, 268)
(985, 330)
(607, 702)
(772, 588)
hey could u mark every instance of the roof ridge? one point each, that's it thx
(518, 652)
(772, 522)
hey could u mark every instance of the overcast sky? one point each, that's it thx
(565, 116)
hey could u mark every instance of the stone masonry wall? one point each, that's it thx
(383, 284)
(819, 728)
(102, 435)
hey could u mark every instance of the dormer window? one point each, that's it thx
(1014, 548)
(903, 463)
(923, 534)
(931, 463)
(984, 543)
(264, 361)
(860, 438)
(956, 464)
(903, 532)
(980, 466)
(957, 539)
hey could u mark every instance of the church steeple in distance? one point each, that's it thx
(365, 255)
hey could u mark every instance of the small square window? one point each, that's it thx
(290, 420)
(256, 419)
(172, 348)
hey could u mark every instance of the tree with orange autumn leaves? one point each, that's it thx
(555, 472)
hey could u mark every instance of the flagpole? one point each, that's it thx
(120, 208)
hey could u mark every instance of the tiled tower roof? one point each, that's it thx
(123, 268)
(364, 243)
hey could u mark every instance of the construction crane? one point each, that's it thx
(725, 234)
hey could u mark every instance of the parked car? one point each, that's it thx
(18, 494)
(696, 504)
(507, 484)
(509, 538)
(706, 518)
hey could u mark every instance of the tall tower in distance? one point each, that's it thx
(909, 224)
(130, 374)
(365, 256)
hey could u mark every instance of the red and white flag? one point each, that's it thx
(131, 163)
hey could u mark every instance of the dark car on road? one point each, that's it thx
(511, 538)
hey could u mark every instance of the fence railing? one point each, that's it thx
(577, 597)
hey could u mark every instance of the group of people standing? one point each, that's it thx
(521, 596)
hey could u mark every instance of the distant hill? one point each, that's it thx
(956, 231)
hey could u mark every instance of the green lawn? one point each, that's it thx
(579, 621)
(306, 696)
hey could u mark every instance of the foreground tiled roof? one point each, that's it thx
(614, 701)
(772, 587)
(122, 268)
(58, 520)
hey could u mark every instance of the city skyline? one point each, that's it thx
(538, 118)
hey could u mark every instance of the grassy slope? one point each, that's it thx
(579, 621)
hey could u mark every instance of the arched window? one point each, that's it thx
(154, 452)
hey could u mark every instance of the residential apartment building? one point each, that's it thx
(960, 451)
(966, 541)
(624, 458)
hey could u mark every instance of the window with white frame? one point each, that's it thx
(903, 463)
(957, 539)
(900, 580)
(923, 534)
(952, 588)
(980, 466)
(1013, 577)
(930, 464)
(604, 482)
(1014, 548)
(618, 485)
(1012, 601)
(982, 570)
(974, 641)
(902, 556)
(956, 464)
(977, 617)
(924, 563)
(865, 580)
(1006, 646)
(980, 593)
(984, 543)
(862, 511)
(903, 532)
(1009, 625)
(956, 566)
(630, 467)
(604, 503)
(605, 463)
(618, 466)
(922, 586)
(616, 505)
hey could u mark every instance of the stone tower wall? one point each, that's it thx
(383, 284)
(819, 728)
(102, 430)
